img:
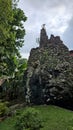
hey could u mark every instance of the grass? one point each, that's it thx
(55, 118)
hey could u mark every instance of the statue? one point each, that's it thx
(43, 26)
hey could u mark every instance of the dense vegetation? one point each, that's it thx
(12, 66)
(29, 119)
(11, 36)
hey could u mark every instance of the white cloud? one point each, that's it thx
(24, 55)
(55, 14)
(68, 35)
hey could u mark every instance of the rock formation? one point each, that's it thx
(49, 72)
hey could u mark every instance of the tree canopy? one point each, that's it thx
(11, 35)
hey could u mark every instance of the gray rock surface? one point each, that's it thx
(49, 72)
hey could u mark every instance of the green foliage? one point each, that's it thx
(29, 120)
(3, 109)
(13, 88)
(11, 35)
(11, 40)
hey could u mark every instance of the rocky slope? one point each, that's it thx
(49, 72)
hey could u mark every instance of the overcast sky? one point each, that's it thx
(56, 14)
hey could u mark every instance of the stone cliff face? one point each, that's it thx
(49, 72)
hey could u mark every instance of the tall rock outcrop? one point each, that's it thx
(49, 72)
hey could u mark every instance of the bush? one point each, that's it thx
(3, 109)
(29, 120)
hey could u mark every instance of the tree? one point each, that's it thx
(14, 87)
(11, 35)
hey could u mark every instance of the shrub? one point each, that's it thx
(29, 120)
(3, 109)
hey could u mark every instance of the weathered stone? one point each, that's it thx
(49, 72)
